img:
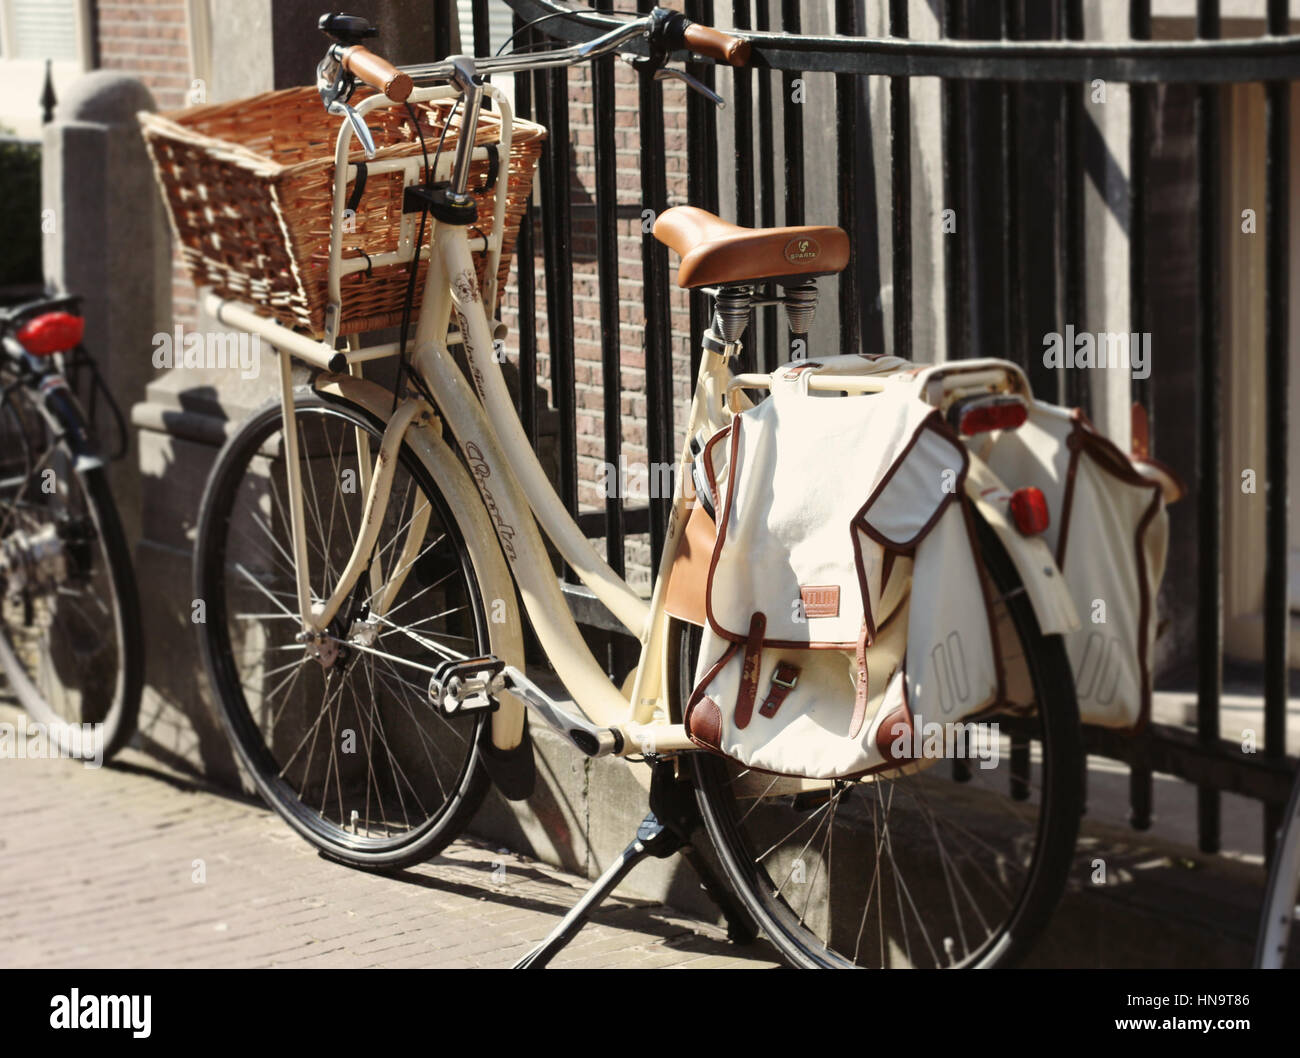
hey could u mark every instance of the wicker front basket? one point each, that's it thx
(250, 189)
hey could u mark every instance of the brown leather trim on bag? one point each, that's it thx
(933, 421)
(1144, 612)
(863, 690)
(1111, 459)
(749, 671)
(885, 735)
(1067, 501)
(785, 677)
(706, 724)
(697, 700)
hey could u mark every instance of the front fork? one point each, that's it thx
(377, 481)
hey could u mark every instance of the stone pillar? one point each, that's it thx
(239, 48)
(106, 239)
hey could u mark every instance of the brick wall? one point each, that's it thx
(149, 39)
(589, 373)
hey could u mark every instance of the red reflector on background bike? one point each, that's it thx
(982, 414)
(52, 332)
(1029, 511)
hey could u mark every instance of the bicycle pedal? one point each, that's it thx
(467, 686)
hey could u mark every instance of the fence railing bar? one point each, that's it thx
(1277, 371)
(767, 183)
(846, 89)
(792, 125)
(1209, 605)
(1074, 246)
(702, 167)
(792, 137)
(1012, 343)
(956, 122)
(742, 81)
(658, 326)
(1139, 100)
(602, 85)
(1141, 780)
(900, 188)
(525, 265)
(481, 22)
(557, 238)
(1201, 61)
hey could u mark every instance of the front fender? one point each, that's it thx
(1043, 581)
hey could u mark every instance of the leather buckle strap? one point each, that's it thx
(749, 670)
(784, 680)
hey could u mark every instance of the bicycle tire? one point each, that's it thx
(471, 783)
(1057, 828)
(120, 719)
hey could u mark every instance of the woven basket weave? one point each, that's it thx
(250, 189)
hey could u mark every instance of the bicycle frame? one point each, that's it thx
(519, 498)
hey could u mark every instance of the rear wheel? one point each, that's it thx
(958, 865)
(343, 742)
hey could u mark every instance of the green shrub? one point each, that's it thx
(20, 231)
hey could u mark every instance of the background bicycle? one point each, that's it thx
(71, 645)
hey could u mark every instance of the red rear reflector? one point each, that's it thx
(998, 413)
(52, 332)
(1029, 511)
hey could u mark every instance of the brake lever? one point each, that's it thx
(359, 127)
(336, 85)
(668, 73)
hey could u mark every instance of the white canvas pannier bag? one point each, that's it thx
(844, 603)
(1109, 533)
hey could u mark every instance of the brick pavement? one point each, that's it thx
(99, 869)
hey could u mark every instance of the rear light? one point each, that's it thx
(1029, 511)
(51, 332)
(999, 411)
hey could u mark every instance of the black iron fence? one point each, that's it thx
(1017, 148)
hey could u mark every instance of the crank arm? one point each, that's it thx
(593, 740)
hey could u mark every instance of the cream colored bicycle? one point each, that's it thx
(363, 554)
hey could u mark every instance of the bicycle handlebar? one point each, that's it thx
(696, 37)
(715, 44)
(377, 72)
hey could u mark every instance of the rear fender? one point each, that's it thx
(1044, 583)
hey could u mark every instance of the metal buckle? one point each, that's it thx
(787, 684)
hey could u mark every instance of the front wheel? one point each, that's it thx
(959, 865)
(340, 737)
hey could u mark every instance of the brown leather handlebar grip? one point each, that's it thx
(377, 72)
(714, 44)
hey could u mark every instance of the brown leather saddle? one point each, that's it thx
(715, 252)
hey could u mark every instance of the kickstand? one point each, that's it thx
(665, 830)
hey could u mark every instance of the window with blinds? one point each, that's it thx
(41, 29)
(501, 25)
